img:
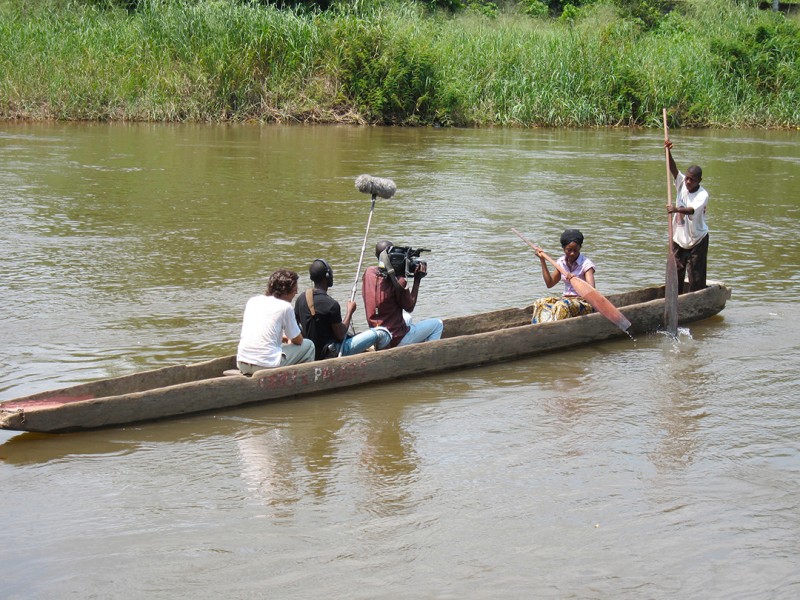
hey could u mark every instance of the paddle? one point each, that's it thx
(599, 302)
(671, 283)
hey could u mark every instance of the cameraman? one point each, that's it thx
(386, 297)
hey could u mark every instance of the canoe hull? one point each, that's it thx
(471, 341)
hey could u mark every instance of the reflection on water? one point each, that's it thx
(40, 448)
(658, 467)
(290, 462)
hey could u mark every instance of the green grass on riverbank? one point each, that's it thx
(719, 63)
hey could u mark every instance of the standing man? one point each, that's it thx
(320, 318)
(271, 336)
(689, 228)
(386, 297)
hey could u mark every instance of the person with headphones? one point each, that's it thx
(320, 319)
(388, 302)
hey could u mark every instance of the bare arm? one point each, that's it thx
(684, 210)
(589, 275)
(673, 168)
(409, 299)
(297, 340)
(550, 279)
(340, 329)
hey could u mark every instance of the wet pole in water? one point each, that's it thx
(671, 282)
(377, 187)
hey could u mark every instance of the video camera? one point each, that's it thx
(405, 261)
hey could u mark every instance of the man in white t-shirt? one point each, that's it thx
(689, 228)
(271, 336)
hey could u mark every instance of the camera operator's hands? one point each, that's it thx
(422, 270)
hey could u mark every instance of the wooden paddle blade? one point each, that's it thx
(600, 303)
(671, 296)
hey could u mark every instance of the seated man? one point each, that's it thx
(320, 318)
(386, 297)
(271, 336)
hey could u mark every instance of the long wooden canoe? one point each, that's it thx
(467, 341)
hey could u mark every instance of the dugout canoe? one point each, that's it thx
(467, 341)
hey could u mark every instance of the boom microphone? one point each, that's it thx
(377, 186)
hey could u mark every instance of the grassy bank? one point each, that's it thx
(718, 63)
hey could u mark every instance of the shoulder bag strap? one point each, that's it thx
(310, 301)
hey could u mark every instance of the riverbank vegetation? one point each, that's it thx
(712, 63)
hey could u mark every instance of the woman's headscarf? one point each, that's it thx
(571, 235)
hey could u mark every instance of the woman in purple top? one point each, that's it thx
(574, 264)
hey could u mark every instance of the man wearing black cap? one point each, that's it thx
(386, 298)
(320, 318)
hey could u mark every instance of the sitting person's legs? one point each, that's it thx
(424, 331)
(379, 337)
(294, 354)
(556, 309)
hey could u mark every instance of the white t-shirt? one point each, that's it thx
(266, 319)
(688, 230)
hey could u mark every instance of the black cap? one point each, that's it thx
(571, 235)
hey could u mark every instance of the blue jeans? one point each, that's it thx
(378, 337)
(424, 331)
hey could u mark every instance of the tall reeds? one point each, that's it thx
(712, 63)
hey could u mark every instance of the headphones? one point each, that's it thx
(328, 271)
